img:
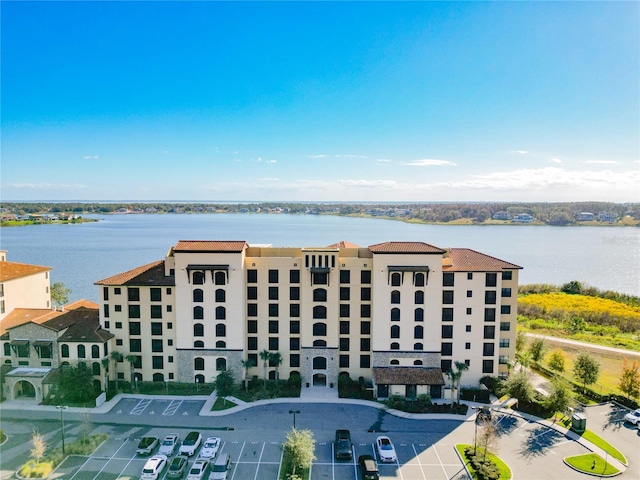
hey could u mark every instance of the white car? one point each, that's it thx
(190, 444)
(210, 447)
(169, 444)
(633, 417)
(386, 450)
(198, 470)
(153, 468)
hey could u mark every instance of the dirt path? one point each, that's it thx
(601, 349)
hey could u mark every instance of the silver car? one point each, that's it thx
(169, 444)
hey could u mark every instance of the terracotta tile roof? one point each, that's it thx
(405, 247)
(83, 325)
(467, 260)
(149, 274)
(13, 270)
(344, 244)
(19, 316)
(407, 376)
(210, 246)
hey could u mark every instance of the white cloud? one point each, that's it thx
(91, 157)
(522, 152)
(555, 160)
(383, 160)
(271, 161)
(44, 186)
(322, 155)
(319, 156)
(269, 179)
(369, 183)
(428, 162)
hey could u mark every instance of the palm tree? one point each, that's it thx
(454, 376)
(105, 364)
(116, 357)
(132, 359)
(275, 359)
(461, 367)
(247, 364)
(264, 356)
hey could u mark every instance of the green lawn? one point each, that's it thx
(286, 468)
(222, 404)
(606, 446)
(503, 468)
(592, 464)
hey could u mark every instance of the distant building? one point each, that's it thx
(607, 217)
(502, 216)
(523, 218)
(586, 217)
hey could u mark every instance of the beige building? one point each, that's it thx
(22, 286)
(396, 314)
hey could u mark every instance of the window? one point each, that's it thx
(419, 279)
(198, 344)
(394, 362)
(418, 332)
(487, 366)
(252, 276)
(365, 344)
(345, 310)
(505, 326)
(365, 294)
(294, 343)
(156, 345)
(221, 330)
(252, 309)
(319, 343)
(343, 345)
(294, 276)
(319, 295)
(221, 295)
(221, 364)
(319, 363)
(344, 328)
(170, 342)
(252, 293)
(343, 361)
(394, 346)
(469, 310)
(504, 343)
(273, 276)
(198, 278)
(467, 328)
(395, 296)
(294, 360)
(106, 310)
(345, 293)
(220, 278)
(156, 328)
(491, 280)
(447, 314)
(419, 297)
(198, 363)
(134, 311)
(488, 349)
(155, 294)
(273, 326)
(467, 346)
(252, 343)
(489, 314)
(169, 308)
(294, 293)
(507, 275)
(95, 351)
(395, 314)
(506, 292)
(447, 297)
(169, 326)
(156, 311)
(396, 279)
(64, 350)
(81, 351)
(319, 311)
(198, 330)
(503, 359)
(252, 326)
(489, 331)
(365, 361)
(417, 362)
(294, 326)
(505, 309)
(134, 328)
(273, 343)
(198, 313)
(273, 309)
(418, 315)
(345, 276)
(447, 279)
(320, 278)
(273, 293)
(221, 313)
(365, 277)
(418, 346)
(105, 293)
(469, 276)
(117, 308)
(320, 329)
(446, 348)
(365, 328)
(395, 331)
(469, 293)
(117, 290)
(157, 362)
(133, 294)
(445, 365)
(447, 331)
(294, 310)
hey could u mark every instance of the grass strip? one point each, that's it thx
(286, 468)
(591, 463)
(603, 444)
(503, 468)
(222, 404)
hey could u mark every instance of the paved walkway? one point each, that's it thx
(589, 346)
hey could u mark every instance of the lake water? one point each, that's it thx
(604, 257)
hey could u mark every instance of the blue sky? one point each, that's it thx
(329, 101)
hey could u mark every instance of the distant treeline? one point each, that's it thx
(474, 213)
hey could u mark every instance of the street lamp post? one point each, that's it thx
(475, 433)
(62, 408)
(294, 417)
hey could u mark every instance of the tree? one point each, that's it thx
(586, 369)
(224, 385)
(300, 447)
(561, 397)
(75, 384)
(488, 437)
(577, 324)
(461, 367)
(264, 356)
(574, 287)
(275, 359)
(59, 294)
(453, 376)
(630, 379)
(519, 386)
(556, 360)
(105, 364)
(116, 357)
(132, 359)
(537, 350)
(247, 364)
(39, 446)
(521, 342)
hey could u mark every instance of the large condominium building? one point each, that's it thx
(397, 314)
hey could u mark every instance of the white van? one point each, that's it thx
(220, 468)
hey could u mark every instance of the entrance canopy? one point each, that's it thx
(407, 376)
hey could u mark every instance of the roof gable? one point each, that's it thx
(406, 247)
(13, 270)
(467, 260)
(210, 246)
(149, 274)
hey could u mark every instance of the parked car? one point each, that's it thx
(177, 467)
(386, 450)
(368, 467)
(221, 467)
(198, 469)
(153, 467)
(190, 444)
(210, 447)
(343, 445)
(633, 417)
(169, 444)
(147, 445)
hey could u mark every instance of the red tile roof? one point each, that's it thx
(467, 260)
(405, 247)
(19, 316)
(149, 274)
(407, 376)
(210, 246)
(344, 244)
(13, 270)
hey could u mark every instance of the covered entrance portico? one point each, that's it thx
(408, 382)
(319, 367)
(26, 383)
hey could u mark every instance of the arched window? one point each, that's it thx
(198, 313)
(95, 368)
(396, 279)
(395, 361)
(198, 330)
(319, 295)
(199, 378)
(418, 332)
(319, 343)
(198, 363)
(419, 297)
(395, 346)
(418, 346)
(221, 330)
(319, 363)
(7, 349)
(319, 312)
(395, 296)
(198, 344)
(272, 374)
(418, 315)
(198, 278)
(95, 351)
(65, 364)
(320, 329)
(417, 362)
(221, 295)
(395, 331)
(198, 295)
(221, 344)
(221, 313)
(395, 314)
(81, 353)
(221, 364)
(64, 350)
(158, 377)
(419, 279)
(220, 278)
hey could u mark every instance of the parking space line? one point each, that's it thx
(139, 408)
(172, 407)
(333, 466)
(280, 465)
(440, 460)
(418, 459)
(238, 461)
(260, 458)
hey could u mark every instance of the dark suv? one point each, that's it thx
(368, 467)
(343, 445)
